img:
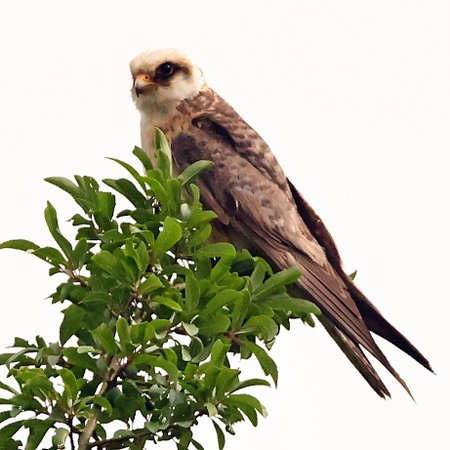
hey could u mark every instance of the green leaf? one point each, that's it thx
(158, 361)
(8, 388)
(137, 333)
(19, 342)
(5, 415)
(78, 219)
(275, 282)
(248, 383)
(164, 154)
(353, 275)
(10, 430)
(194, 170)
(105, 336)
(131, 170)
(143, 158)
(172, 304)
(250, 400)
(123, 330)
(87, 349)
(221, 299)
(106, 261)
(258, 275)
(199, 217)
(34, 381)
(98, 400)
(292, 304)
(184, 440)
(263, 326)
(266, 362)
(190, 328)
(60, 437)
(154, 327)
(157, 188)
(220, 435)
(213, 325)
(143, 257)
(218, 352)
(212, 410)
(248, 405)
(80, 253)
(72, 322)
(197, 445)
(199, 236)
(192, 293)
(70, 383)
(220, 249)
(226, 378)
(50, 255)
(38, 429)
(52, 222)
(77, 193)
(221, 269)
(103, 403)
(240, 310)
(96, 297)
(66, 185)
(150, 284)
(20, 244)
(106, 202)
(80, 359)
(168, 237)
(185, 355)
(19, 355)
(128, 190)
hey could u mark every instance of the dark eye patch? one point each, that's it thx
(166, 70)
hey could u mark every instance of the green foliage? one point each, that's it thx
(152, 313)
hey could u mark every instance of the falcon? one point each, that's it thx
(256, 205)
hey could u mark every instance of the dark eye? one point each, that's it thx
(164, 71)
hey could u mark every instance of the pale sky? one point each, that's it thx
(353, 98)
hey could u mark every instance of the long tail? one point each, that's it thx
(380, 326)
(346, 323)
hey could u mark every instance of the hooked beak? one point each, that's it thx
(142, 83)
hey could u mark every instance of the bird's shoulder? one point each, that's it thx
(209, 111)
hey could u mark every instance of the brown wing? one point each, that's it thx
(249, 192)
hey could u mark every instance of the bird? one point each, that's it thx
(256, 205)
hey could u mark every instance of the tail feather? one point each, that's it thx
(357, 357)
(326, 289)
(379, 325)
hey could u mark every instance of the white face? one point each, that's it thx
(163, 78)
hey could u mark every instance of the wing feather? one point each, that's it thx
(251, 196)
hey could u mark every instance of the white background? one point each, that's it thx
(352, 96)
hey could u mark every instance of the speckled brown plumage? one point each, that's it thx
(254, 200)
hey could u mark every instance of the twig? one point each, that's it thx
(105, 442)
(91, 425)
(72, 442)
(83, 442)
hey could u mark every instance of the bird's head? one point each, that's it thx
(163, 78)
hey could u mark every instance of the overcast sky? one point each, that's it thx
(353, 98)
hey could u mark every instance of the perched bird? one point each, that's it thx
(256, 205)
